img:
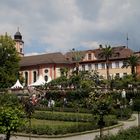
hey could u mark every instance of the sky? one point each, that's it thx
(61, 25)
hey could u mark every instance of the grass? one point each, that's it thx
(36, 122)
(70, 113)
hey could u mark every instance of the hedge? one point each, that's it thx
(128, 134)
(65, 129)
(57, 130)
(61, 116)
(62, 109)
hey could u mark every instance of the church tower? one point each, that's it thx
(19, 43)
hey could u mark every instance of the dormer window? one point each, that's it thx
(89, 56)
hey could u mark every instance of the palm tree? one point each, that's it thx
(76, 57)
(132, 62)
(106, 52)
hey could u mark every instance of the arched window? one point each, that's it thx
(34, 76)
(26, 78)
(46, 78)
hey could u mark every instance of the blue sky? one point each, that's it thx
(60, 25)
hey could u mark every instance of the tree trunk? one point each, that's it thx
(133, 70)
(77, 68)
(29, 127)
(8, 135)
(107, 72)
(107, 68)
(101, 132)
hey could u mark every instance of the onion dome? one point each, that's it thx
(18, 36)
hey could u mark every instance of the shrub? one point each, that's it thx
(61, 116)
(62, 109)
(57, 130)
(128, 134)
(124, 113)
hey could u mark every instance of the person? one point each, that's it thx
(34, 99)
(123, 93)
(49, 103)
(118, 103)
(131, 102)
(64, 102)
(52, 103)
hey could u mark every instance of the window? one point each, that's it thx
(124, 74)
(117, 75)
(89, 67)
(46, 78)
(83, 67)
(102, 65)
(46, 70)
(89, 56)
(26, 78)
(96, 66)
(20, 50)
(116, 64)
(34, 76)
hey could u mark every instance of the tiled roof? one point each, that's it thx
(50, 58)
(119, 52)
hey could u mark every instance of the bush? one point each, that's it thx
(124, 113)
(57, 130)
(65, 129)
(136, 105)
(62, 109)
(128, 134)
(61, 116)
(83, 122)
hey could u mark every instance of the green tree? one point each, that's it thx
(29, 110)
(9, 61)
(11, 114)
(64, 71)
(106, 52)
(132, 61)
(101, 104)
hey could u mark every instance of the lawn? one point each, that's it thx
(36, 122)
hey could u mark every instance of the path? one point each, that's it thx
(89, 136)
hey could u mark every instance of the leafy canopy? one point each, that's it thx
(132, 62)
(11, 114)
(9, 61)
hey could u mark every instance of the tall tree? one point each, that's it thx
(9, 61)
(106, 52)
(132, 61)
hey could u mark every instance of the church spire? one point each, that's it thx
(19, 42)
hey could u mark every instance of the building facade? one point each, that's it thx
(92, 61)
(49, 65)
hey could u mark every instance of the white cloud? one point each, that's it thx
(90, 44)
(59, 25)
